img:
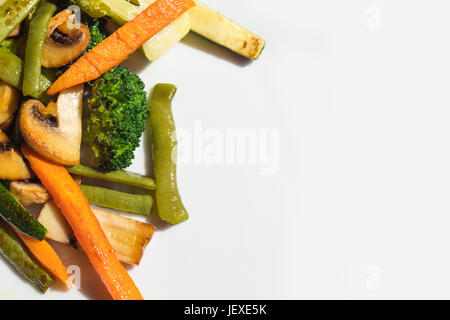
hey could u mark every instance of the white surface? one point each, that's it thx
(358, 92)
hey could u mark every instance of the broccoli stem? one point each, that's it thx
(107, 198)
(119, 176)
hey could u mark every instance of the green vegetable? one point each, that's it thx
(119, 176)
(14, 251)
(13, 44)
(120, 10)
(14, 213)
(33, 52)
(12, 13)
(107, 198)
(168, 199)
(11, 71)
(115, 118)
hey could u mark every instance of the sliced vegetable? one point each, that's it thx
(9, 101)
(12, 13)
(11, 71)
(66, 40)
(70, 199)
(128, 237)
(37, 33)
(12, 166)
(15, 252)
(123, 42)
(119, 176)
(124, 11)
(14, 213)
(108, 198)
(55, 131)
(168, 199)
(47, 257)
(215, 27)
(161, 42)
(28, 193)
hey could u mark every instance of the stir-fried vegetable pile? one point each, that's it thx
(61, 84)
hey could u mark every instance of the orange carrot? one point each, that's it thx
(124, 41)
(46, 256)
(87, 230)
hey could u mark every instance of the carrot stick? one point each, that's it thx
(87, 230)
(46, 256)
(124, 41)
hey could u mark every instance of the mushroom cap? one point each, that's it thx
(55, 131)
(65, 41)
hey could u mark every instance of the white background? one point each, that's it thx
(358, 91)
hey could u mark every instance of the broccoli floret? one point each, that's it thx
(116, 116)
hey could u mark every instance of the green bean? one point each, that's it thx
(119, 176)
(33, 52)
(168, 199)
(107, 198)
(12, 13)
(11, 71)
(14, 251)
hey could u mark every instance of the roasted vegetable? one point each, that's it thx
(12, 13)
(11, 71)
(15, 252)
(15, 214)
(121, 43)
(55, 131)
(70, 199)
(123, 11)
(108, 198)
(12, 166)
(128, 237)
(168, 199)
(215, 27)
(28, 193)
(47, 257)
(119, 176)
(66, 40)
(115, 118)
(35, 42)
(9, 101)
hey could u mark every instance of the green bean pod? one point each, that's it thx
(14, 251)
(11, 71)
(119, 176)
(108, 198)
(12, 13)
(168, 199)
(33, 52)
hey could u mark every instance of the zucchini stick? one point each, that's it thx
(16, 215)
(15, 252)
(33, 52)
(108, 198)
(119, 176)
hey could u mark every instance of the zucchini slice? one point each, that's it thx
(215, 27)
(15, 252)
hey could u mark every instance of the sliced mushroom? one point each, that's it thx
(12, 166)
(54, 131)
(9, 101)
(66, 40)
(28, 193)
